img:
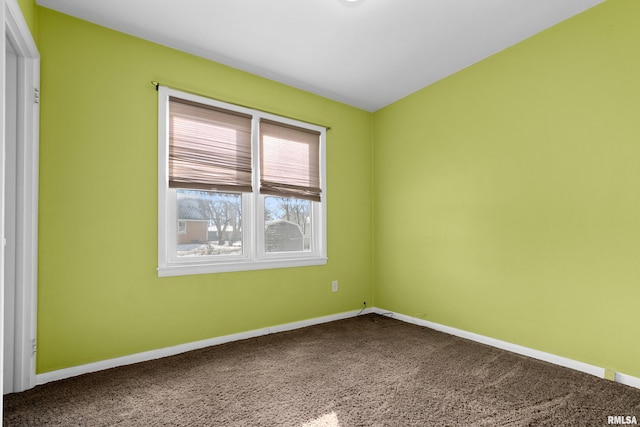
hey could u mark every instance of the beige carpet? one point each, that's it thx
(366, 371)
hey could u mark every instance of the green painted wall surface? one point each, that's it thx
(99, 296)
(507, 196)
(29, 11)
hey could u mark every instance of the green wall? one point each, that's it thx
(99, 296)
(29, 11)
(507, 196)
(503, 199)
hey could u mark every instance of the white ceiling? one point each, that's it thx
(368, 55)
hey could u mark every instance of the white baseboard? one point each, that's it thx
(627, 380)
(183, 348)
(514, 348)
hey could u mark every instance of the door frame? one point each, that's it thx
(27, 161)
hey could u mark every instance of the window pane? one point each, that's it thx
(209, 223)
(287, 224)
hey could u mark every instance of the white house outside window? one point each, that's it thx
(238, 189)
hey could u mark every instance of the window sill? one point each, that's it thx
(227, 267)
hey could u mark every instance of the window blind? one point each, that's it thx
(289, 161)
(209, 148)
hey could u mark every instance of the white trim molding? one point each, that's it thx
(170, 351)
(183, 348)
(514, 348)
(627, 380)
(28, 119)
(3, 240)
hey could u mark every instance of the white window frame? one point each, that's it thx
(254, 255)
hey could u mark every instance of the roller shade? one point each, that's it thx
(289, 161)
(209, 148)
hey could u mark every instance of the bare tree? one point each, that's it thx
(223, 210)
(294, 210)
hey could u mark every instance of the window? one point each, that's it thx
(238, 189)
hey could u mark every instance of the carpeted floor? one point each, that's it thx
(365, 371)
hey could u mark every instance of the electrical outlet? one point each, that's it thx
(334, 286)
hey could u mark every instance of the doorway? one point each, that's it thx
(20, 96)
